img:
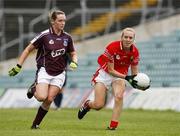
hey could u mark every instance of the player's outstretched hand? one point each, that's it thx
(15, 70)
(73, 65)
(131, 81)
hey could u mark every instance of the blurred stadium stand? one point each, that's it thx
(20, 20)
(120, 13)
(160, 59)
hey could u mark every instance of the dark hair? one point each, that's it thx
(53, 14)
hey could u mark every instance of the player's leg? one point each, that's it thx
(118, 87)
(59, 82)
(99, 96)
(31, 90)
(53, 91)
(97, 104)
(43, 109)
(58, 100)
(41, 77)
(46, 90)
(59, 97)
(101, 80)
(36, 91)
(40, 94)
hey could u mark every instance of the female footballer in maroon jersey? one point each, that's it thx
(52, 47)
(113, 69)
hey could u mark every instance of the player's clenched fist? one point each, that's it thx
(73, 65)
(15, 70)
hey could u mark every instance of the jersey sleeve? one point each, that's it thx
(109, 53)
(37, 41)
(70, 45)
(107, 56)
(136, 58)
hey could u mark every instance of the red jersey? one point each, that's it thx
(114, 53)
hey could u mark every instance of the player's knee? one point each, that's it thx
(98, 106)
(118, 97)
(49, 100)
(41, 99)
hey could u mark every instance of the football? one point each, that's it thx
(143, 81)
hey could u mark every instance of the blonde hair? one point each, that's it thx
(128, 29)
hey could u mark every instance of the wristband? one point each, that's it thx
(19, 66)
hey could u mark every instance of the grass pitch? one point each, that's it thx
(17, 122)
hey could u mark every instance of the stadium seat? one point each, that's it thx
(160, 59)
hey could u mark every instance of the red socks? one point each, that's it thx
(113, 124)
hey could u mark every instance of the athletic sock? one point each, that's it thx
(113, 124)
(39, 116)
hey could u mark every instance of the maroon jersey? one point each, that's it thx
(52, 51)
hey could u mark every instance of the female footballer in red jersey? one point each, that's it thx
(52, 46)
(112, 71)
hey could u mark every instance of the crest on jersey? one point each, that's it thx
(51, 42)
(117, 57)
(131, 58)
(65, 42)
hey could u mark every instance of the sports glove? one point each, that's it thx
(73, 65)
(131, 81)
(15, 70)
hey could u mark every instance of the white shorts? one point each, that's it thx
(44, 77)
(104, 77)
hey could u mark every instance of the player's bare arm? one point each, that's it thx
(113, 72)
(74, 64)
(25, 54)
(73, 56)
(16, 69)
(134, 70)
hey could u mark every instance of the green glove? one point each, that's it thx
(73, 65)
(15, 70)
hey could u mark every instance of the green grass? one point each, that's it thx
(17, 122)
